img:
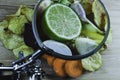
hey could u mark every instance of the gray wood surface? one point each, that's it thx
(111, 57)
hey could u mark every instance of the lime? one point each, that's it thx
(61, 23)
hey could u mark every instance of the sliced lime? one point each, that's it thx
(61, 23)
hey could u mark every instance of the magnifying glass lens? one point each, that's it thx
(88, 42)
(58, 47)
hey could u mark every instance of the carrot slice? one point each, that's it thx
(58, 66)
(73, 68)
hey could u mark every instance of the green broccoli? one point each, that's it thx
(3, 25)
(14, 41)
(28, 12)
(92, 63)
(4, 32)
(16, 24)
(25, 49)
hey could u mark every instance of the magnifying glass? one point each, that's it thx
(59, 49)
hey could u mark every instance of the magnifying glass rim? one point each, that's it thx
(74, 57)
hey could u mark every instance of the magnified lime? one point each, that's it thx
(61, 23)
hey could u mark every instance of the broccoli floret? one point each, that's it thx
(92, 63)
(3, 25)
(14, 41)
(25, 49)
(28, 12)
(4, 32)
(16, 24)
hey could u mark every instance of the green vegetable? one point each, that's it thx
(88, 27)
(109, 39)
(23, 10)
(25, 49)
(3, 25)
(11, 30)
(89, 32)
(13, 41)
(4, 33)
(92, 34)
(16, 24)
(84, 45)
(99, 15)
(28, 12)
(87, 5)
(92, 63)
(65, 2)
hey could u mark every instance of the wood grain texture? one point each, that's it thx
(111, 57)
(17, 2)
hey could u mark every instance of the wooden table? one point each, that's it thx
(111, 57)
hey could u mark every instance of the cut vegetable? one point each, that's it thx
(91, 33)
(16, 24)
(73, 68)
(13, 41)
(92, 63)
(99, 14)
(28, 12)
(25, 49)
(4, 33)
(85, 45)
(87, 5)
(58, 66)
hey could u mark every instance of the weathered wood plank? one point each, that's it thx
(6, 10)
(17, 2)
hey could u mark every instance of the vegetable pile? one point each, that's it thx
(12, 28)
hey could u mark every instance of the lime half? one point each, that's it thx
(61, 23)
